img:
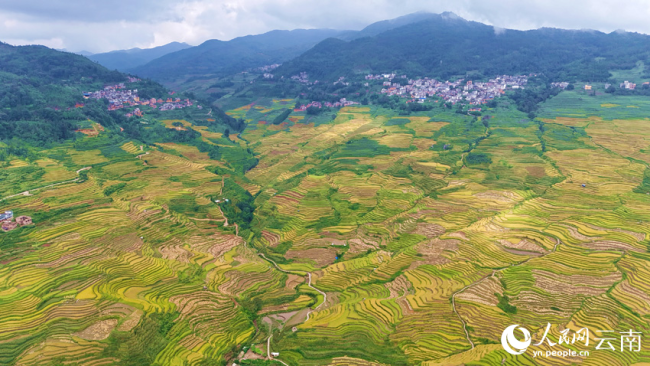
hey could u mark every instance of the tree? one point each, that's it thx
(313, 110)
(226, 133)
(280, 118)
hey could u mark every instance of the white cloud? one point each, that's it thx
(98, 26)
(498, 30)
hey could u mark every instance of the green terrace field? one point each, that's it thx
(579, 104)
(367, 239)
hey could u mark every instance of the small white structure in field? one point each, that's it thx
(227, 200)
(217, 201)
(275, 354)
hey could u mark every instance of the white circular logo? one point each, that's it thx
(511, 344)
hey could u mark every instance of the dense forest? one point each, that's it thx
(447, 45)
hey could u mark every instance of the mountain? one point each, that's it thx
(227, 57)
(125, 60)
(278, 46)
(386, 25)
(445, 45)
(44, 65)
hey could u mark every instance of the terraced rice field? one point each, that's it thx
(374, 240)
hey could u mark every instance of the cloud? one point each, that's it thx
(99, 26)
(499, 31)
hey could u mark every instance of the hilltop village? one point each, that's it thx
(452, 92)
(119, 97)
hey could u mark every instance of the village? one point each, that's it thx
(7, 221)
(418, 90)
(119, 97)
(474, 93)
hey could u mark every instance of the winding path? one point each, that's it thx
(453, 297)
(321, 292)
(308, 283)
(268, 341)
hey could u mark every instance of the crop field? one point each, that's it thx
(367, 239)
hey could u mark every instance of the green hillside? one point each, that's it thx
(42, 100)
(38, 85)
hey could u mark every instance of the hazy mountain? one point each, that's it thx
(124, 60)
(445, 44)
(226, 57)
(82, 52)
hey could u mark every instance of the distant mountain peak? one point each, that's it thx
(448, 15)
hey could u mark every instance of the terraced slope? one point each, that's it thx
(363, 240)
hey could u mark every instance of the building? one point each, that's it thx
(24, 220)
(9, 225)
(628, 85)
(275, 354)
(587, 87)
(7, 216)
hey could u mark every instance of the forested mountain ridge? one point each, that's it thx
(124, 60)
(446, 45)
(48, 65)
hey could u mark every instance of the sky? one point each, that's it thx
(100, 26)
